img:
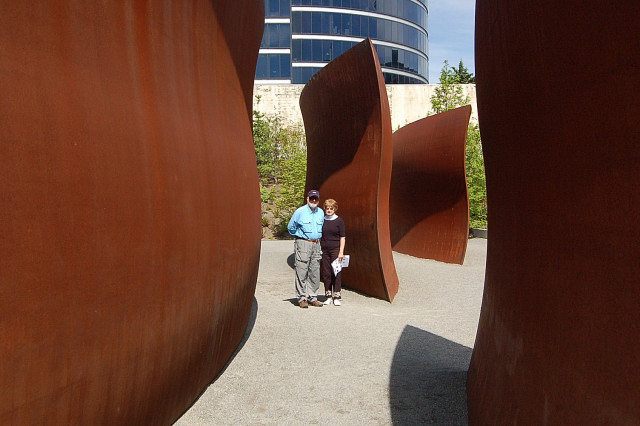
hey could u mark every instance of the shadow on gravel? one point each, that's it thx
(292, 300)
(291, 260)
(428, 378)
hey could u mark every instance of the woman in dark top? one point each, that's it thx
(332, 244)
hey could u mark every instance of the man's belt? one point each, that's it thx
(311, 241)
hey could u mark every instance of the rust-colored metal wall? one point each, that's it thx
(558, 103)
(349, 158)
(429, 202)
(130, 216)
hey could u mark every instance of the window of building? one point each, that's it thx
(261, 68)
(276, 35)
(355, 25)
(316, 22)
(296, 50)
(306, 50)
(301, 75)
(373, 28)
(277, 8)
(327, 50)
(306, 22)
(273, 66)
(285, 66)
(316, 49)
(326, 23)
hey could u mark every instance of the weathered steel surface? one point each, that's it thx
(130, 217)
(558, 106)
(429, 202)
(349, 153)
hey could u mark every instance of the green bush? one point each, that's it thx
(281, 155)
(476, 182)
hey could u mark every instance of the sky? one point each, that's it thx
(451, 34)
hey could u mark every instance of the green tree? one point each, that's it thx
(476, 181)
(281, 156)
(463, 76)
(264, 146)
(449, 95)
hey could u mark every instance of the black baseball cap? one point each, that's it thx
(313, 193)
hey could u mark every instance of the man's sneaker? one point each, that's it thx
(316, 303)
(328, 301)
(303, 303)
(337, 302)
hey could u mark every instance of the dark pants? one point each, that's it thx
(331, 282)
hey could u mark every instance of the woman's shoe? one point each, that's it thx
(336, 302)
(328, 301)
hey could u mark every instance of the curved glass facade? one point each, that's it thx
(317, 31)
(414, 11)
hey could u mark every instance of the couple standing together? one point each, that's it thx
(318, 237)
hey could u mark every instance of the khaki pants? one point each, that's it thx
(307, 265)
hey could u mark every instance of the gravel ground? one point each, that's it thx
(366, 362)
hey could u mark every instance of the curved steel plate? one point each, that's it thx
(130, 216)
(429, 202)
(349, 153)
(558, 106)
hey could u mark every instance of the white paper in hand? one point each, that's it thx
(345, 261)
(337, 267)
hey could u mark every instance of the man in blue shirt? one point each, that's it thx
(306, 226)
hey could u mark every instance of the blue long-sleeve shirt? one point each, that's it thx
(306, 224)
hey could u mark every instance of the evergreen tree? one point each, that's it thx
(463, 75)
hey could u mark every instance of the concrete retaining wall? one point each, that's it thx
(408, 102)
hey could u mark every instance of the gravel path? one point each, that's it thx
(366, 362)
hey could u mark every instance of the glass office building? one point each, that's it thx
(302, 36)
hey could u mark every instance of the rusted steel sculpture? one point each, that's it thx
(349, 153)
(558, 106)
(130, 216)
(429, 202)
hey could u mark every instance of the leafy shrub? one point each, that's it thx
(281, 155)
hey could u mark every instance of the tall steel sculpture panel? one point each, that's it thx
(558, 105)
(130, 216)
(349, 153)
(429, 201)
